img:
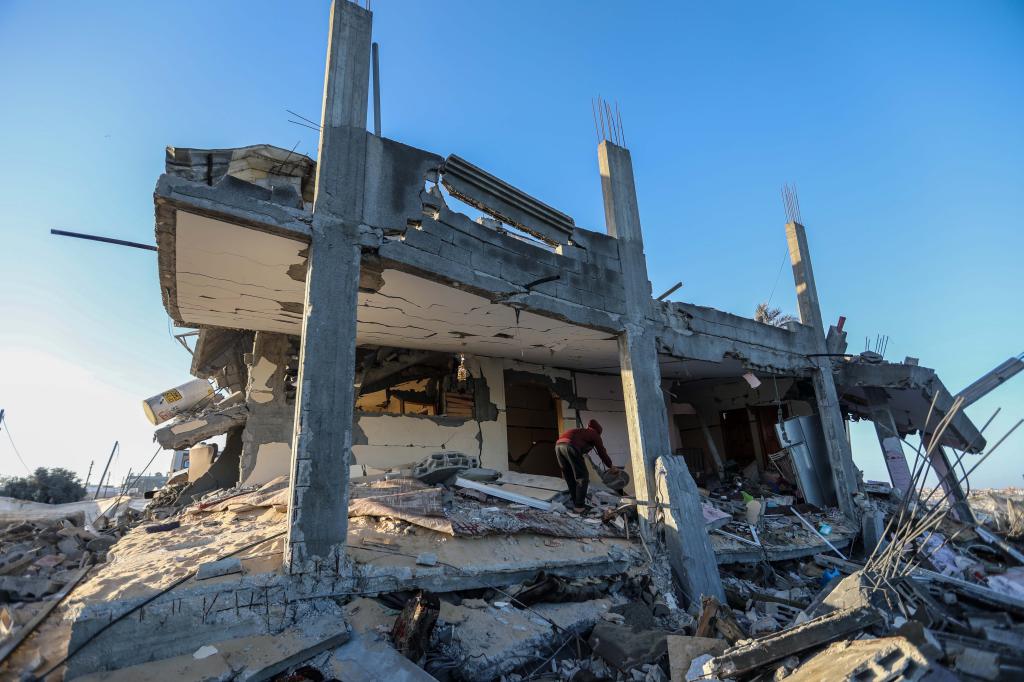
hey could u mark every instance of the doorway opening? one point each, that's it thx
(532, 418)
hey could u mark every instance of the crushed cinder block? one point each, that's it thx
(886, 658)
(441, 466)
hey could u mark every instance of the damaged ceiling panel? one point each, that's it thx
(235, 277)
(412, 312)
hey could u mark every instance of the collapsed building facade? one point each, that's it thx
(387, 304)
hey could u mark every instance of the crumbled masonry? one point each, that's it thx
(391, 378)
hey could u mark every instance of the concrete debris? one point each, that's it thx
(252, 659)
(885, 658)
(41, 560)
(684, 650)
(215, 569)
(621, 647)
(978, 663)
(747, 657)
(204, 652)
(503, 493)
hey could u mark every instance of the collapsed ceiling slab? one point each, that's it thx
(231, 276)
(910, 390)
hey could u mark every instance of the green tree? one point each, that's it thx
(52, 486)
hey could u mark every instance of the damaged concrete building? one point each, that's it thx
(432, 331)
(386, 304)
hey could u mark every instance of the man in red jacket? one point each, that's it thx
(570, 448)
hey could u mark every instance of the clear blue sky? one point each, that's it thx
(899, 122)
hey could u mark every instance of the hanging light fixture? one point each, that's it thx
(462, 373)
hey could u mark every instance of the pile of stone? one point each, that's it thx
(38, 557)
(41, 560)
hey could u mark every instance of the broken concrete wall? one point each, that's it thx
(262, 165)
(218, 355)
(267, 439)
(386, 440)
(379, 440)
(449, 245)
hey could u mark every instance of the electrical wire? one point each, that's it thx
(785, 256)
(7, 430)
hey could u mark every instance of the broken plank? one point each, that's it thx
(496, 491)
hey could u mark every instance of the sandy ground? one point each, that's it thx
(142, 563)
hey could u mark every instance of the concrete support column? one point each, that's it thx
(689, 546)
(826, 396)
(646, 417)
(322, 445)
(889, 439)
(267, 438)
(951, 486)
(896, 461)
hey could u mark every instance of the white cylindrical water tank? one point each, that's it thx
(163, 406)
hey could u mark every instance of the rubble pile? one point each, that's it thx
(38, 557)
(1002, 509)
(41, 561)
(939, 598)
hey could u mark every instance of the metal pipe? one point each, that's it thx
(669, 292)
(108, 240)
(98, 488)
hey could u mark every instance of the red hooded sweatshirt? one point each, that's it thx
(582, 440)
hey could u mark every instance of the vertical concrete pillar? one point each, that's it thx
(827, 398)
(689, 546)
(889, 439)
(951, 486)
(322, 445)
